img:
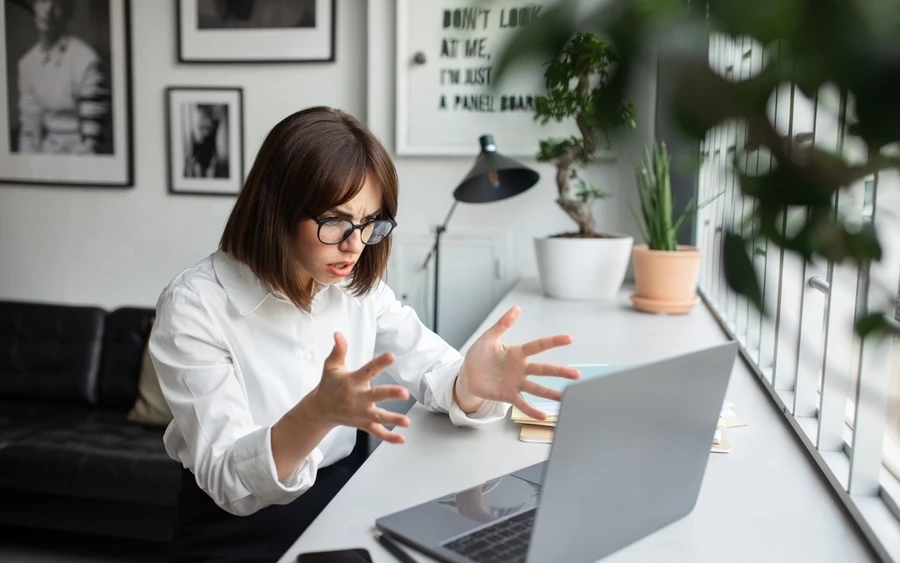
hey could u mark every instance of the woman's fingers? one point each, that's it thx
(387, 393)
(543, 344)
(503, 323)
(541, 391)
(528, 409)
(335, 360)
(388, 418)
(552, 369)
(373, 368)
(384, 434)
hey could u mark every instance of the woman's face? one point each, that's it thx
(331, 263)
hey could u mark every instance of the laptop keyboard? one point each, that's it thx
(505, 541)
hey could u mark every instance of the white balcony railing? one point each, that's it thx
(841, 394)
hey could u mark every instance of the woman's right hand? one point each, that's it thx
(347, 398)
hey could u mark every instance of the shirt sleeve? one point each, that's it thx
(229, 454)
(423, 362)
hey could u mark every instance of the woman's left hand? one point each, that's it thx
(496, 371)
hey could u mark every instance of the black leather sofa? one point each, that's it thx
(69, 458)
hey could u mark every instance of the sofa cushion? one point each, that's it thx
(97, 454)
(127, 330)
(150, 407)
(20, 419)
(50, 352)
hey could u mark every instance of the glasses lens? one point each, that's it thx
(334, 231)
(377, 231)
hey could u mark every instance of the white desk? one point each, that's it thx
(763, 502)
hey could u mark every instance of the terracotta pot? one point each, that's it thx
(665, 282)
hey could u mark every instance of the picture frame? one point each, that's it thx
(266, 31)
(440, 80)
(205, 140)
(66, 112)
(445, 68)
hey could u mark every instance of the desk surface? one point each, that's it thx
(764, 501)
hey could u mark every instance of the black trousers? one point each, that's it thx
(204, 532)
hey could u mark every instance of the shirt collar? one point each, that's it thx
(56, 51)
(247, 292)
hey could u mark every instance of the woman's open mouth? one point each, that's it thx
(340, 269)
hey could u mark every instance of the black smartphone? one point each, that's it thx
(358, 555)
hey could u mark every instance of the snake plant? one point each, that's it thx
(658, 226)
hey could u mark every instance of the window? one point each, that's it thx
(841, 394)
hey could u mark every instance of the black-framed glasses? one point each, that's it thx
(335, 230)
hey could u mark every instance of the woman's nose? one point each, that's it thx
(354, 242)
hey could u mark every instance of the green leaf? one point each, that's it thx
(639, 223)
(789, 185)
(739, 272)
(702, 99)
(875, 88)
(542, 41)
(837, 243)
(766, 20)
(875, 324)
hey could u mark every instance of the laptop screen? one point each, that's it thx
(493, 499)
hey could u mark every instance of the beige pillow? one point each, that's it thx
(150, 407)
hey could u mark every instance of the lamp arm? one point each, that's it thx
(449, 214)
(438, 231)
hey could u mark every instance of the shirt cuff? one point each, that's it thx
(255, 466)
(443, 380)
(488, 412)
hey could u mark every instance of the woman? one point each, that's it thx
(265, 350)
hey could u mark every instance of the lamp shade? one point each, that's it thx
(494, 176)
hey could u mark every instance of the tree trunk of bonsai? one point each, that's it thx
(579, 210)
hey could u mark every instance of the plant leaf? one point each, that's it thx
(739, 272)
(875, 324)
(542, 42)
(787, 186)
(639, 223)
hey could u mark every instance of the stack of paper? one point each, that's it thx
(727, 419)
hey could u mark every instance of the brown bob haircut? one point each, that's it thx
(311, 162)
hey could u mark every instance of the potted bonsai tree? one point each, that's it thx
(576, 83)
(665, 273)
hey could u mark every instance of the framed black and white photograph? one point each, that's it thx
(237, 31)
(65, 101)
(205, 140)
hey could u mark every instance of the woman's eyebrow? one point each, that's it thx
(348, 215)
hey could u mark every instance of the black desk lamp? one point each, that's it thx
(492, 178)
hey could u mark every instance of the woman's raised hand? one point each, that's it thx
(347, 398)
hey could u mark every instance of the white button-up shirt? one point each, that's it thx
(232, 358)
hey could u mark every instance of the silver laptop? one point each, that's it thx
(628, 457)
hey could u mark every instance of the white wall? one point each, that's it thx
(113, 247)
(427, 183)
(120, 247)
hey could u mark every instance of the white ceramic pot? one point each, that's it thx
(583, 268)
